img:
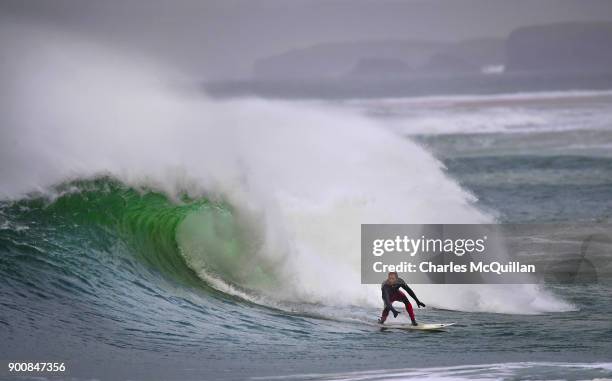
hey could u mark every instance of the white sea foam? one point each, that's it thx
(502, 113)
(301, 177)
(498, 371)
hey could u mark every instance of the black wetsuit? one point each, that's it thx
(391, 293)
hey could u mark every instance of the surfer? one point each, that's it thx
(391, 293)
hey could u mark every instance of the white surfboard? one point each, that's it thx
(420, 327)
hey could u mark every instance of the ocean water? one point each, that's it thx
(152, 233)
(539, 157)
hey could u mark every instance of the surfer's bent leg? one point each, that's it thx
(384, 315)
(409, 308)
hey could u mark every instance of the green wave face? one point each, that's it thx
(215, 245)
(181, 239)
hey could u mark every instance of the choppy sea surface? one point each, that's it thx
(95, 271)
(149, 232)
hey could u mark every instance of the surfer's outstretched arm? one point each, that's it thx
(387, 300)
(412, 294)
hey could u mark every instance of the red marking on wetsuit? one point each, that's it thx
(398, 296)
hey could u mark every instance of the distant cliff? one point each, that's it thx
(558, 48)
(333, 60)
(555, 57)
(380, 68)
(379, 59)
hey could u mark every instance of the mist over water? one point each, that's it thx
(299, 179)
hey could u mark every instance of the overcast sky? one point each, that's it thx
(221, 39)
